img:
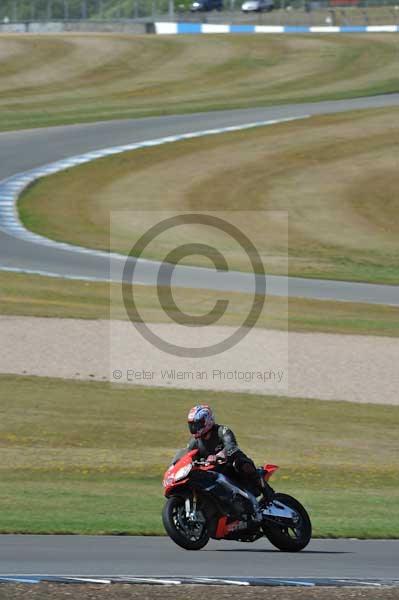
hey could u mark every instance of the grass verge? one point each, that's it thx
(96, 466)
(73, 78)
(38, 296)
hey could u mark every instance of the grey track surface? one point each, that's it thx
(150, 556)
(23, 150)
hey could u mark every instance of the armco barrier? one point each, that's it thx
(132, 27)
(194, 28)
(77, 26)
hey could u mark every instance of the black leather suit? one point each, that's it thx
(239, 466)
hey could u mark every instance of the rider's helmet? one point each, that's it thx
(200, 420)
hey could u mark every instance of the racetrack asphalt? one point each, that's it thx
(158, 556)
(27, 149)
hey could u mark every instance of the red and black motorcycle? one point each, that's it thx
(204, 503)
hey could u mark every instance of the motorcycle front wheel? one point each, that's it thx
(188, 534)
(290, 538)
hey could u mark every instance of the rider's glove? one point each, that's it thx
(213, 458)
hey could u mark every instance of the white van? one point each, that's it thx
(257, 6)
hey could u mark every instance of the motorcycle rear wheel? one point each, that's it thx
(289, 539)
(179, 529)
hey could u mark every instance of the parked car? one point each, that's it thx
(257, 6)
(206, 5)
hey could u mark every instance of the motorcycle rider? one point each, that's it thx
(218, 441)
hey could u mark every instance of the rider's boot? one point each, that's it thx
(267, 498)
(267, 493)
(263, 489)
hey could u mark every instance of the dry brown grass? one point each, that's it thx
(52, 79)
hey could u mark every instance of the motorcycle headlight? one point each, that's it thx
(183, 472)
(168, 481)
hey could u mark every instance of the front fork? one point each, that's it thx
(191, 509)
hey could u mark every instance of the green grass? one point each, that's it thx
(38, 296)
(53, 503)
(96, 466)
(93, 77)
(335, 177)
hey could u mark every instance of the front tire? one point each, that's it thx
(186, 535)
(290, 539)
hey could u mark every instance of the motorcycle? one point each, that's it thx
(204, 503)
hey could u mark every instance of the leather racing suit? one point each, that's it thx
(239, 466)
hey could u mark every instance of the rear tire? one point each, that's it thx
(288, 539)
(173, 517)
